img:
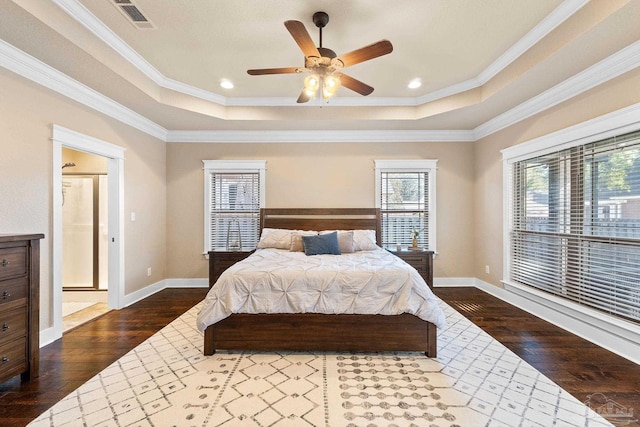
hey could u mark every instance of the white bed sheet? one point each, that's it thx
(280, 281)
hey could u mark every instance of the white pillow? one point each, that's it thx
(296, 239)
(277, 238)
(363, 240)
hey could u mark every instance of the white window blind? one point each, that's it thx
(575, 224)
(234, 194)
(406, 198)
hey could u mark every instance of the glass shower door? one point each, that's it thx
(79, 248)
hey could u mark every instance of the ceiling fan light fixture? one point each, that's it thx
(332, 82)
(311, 85)
(330, 86)
(312, 82)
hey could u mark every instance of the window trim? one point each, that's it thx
(414, 165)
(228, 166)
(590, 322)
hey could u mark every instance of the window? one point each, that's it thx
(234, 194)
(405, 194)
(575, 224)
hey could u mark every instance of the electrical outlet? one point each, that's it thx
(149, 272)
(487, 269)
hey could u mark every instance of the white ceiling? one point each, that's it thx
(479, 60)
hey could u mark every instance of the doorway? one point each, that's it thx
(84, 237)
(113, 155)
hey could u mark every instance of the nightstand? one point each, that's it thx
(421, 260)
(219, 261)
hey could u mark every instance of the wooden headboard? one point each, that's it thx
(322, 219)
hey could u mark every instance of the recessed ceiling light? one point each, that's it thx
(414, 84)
(227, 84)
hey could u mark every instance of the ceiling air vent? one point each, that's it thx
(133, 14)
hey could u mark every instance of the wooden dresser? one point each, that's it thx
(19, 305)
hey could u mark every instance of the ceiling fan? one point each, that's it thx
(323, 64)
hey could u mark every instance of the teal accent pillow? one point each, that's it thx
(322, 244)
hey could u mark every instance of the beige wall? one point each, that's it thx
(319, 175)
(27, 113)
(84, 162)
(614, 95)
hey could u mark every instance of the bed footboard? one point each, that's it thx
(321, 332)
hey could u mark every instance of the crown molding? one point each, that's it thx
(338, 101)
(82, 15)
(31, 68)
(609, 68)
(612, 124)
(327, 136)
(37, 71)
(560, 14)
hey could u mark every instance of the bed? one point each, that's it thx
(314, 331)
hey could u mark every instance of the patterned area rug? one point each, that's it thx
(166, 381)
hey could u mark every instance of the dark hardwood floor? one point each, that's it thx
(575, 364)
(86, 350)
(578, 366)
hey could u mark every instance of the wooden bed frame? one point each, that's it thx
(321, 332)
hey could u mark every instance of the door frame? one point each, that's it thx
(66, 138)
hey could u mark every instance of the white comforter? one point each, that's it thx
(279, 281)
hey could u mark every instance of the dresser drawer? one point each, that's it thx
(13, 324)
(13, 292)
(414, 259)
(13, 262)
(13, 358)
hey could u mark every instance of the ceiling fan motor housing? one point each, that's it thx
(327, 53)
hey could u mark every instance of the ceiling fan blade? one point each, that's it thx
(354, 84)
(371, 51)
(304, 97)
(302, 37)
(263, 71)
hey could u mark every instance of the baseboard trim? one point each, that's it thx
(620, 341)
(453, 282)
(47, 336)
(143, 293)
(186, 283)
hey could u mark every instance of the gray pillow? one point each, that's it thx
(322, 244)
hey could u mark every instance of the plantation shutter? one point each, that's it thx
(404, 207)
(575, 224)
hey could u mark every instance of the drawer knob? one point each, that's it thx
(5, 263)
(6, 295)
(5, 327)
(5, 359)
